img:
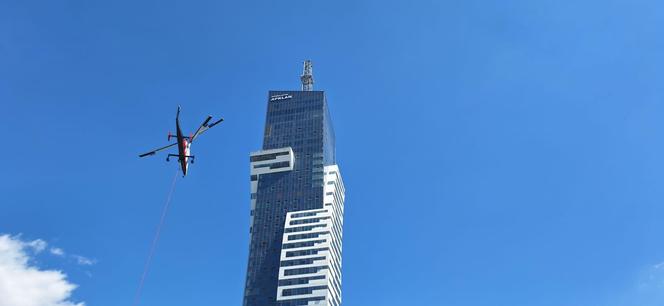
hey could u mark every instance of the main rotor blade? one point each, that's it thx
(153, 152)
(215, 123)
(201, 128)
(204, 127)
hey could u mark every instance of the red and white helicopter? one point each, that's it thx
(184, 142)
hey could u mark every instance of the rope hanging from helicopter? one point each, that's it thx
(155, 240)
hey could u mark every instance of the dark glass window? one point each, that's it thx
(267, 156)
(300, 291)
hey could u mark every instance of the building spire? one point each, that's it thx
(307, 77)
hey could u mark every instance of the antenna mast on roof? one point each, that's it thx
(307, 77)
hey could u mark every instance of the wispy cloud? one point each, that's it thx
(23, 284)
(78, 259)
(653, 278)
(84, 261)
(647, 289)
(37, 245)
(57, 251)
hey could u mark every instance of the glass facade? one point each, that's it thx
(301, 121)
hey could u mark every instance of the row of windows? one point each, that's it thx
(305, 252)
(306, 236)
(311, 125)
(290, 111)
(307, 214)
(301, 302)
(267, 156)
(307, 221)
(293, 117)
(261, 166)
(304, 228)
(283, 164)
(300, 291)
(301, 262)
(308, 270)
(312, 101)
(302, 244)
(299, 281)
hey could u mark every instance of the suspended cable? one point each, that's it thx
(146, 268)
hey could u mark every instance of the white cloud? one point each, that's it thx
(653, 280)
(84, 261)
(57, 251)
(36, 245)
(646, 289)
(658, 266)
(81, 260)
(22, 284)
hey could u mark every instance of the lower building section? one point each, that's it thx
(310, 263)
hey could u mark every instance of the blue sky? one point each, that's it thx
(494, 152)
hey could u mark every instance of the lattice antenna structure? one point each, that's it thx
(307, 77)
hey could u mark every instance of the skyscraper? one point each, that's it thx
(297, 204)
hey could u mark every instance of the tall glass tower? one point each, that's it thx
(297, 198)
